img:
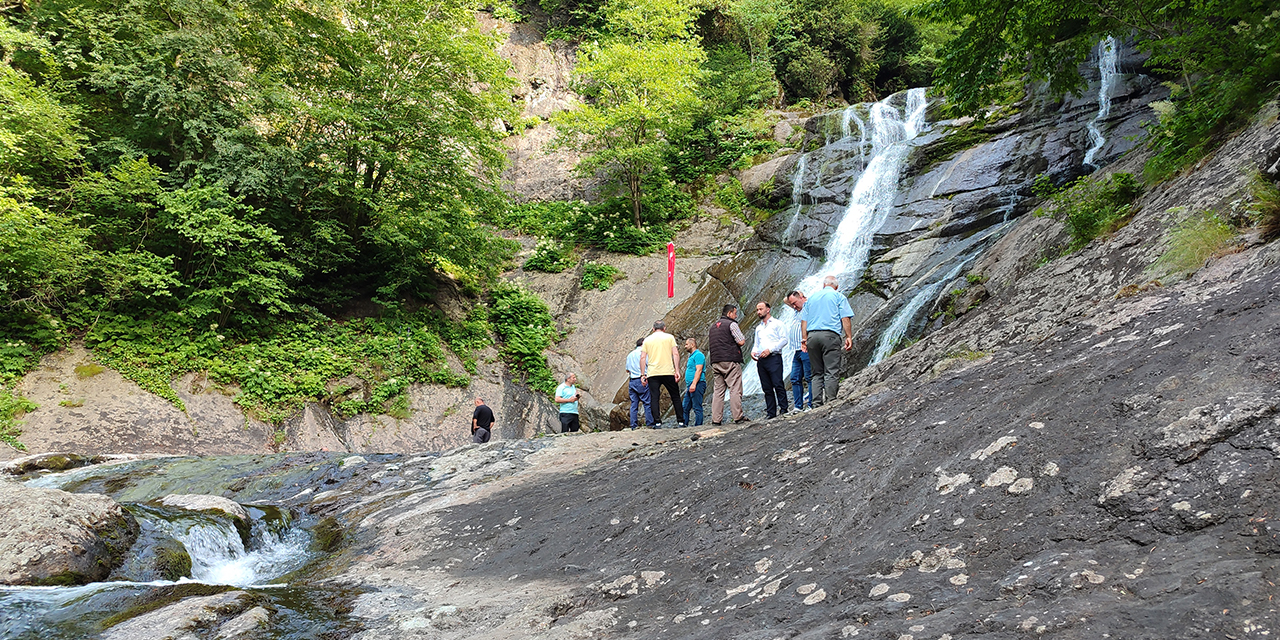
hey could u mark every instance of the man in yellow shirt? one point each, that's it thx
(662, 354)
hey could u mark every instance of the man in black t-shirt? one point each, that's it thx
(481, 422)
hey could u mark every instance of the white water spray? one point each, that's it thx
(218, 555)
(1108, 55)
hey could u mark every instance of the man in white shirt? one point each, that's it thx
(771, 340)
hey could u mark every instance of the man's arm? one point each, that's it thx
(848, 333)
(736, 331)
(697, 375)
(675, 360)
(804, 333)
(644, 369)
(474, 424)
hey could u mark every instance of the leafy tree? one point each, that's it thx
(639, 95)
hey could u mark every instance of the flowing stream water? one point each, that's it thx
(259, 559)
(1108, 56)
(890, 126)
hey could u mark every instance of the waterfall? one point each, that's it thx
(889, 129)
(901, 322)
(1107, 61)
(797, 183)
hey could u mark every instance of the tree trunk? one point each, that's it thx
(633, 184)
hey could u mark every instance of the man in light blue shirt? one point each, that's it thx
(638, 383)
(695, 375)
(824, 316)
(567, 397)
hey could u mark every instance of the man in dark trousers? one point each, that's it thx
(481, 422)
(826, 315)
(724, 342)
(771, 341)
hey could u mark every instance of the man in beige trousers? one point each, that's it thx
(724, 343)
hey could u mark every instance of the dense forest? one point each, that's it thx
(232, 186)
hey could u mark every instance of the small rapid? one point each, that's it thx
(897, 328)
(222, 556)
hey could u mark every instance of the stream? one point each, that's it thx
(267, 559)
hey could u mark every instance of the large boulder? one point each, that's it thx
(54, 537)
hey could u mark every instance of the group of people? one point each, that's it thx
(821, 330)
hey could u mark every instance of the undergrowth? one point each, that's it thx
(1193, 242)
(1092, 208)
(12, 408)
(524, 323)
(599, 276)
(297, 362)
(1265, 209)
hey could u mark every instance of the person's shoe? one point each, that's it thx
(716, 424)
(657, 425)
(741, 420)
(679, 425)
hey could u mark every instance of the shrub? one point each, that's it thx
(12, 408)
(600, 276)
(524, 323)
(1091, 208)
(1265, 209)
(550, 256)
(1194, 241)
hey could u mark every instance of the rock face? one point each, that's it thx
(199, 502)
(55, 537)
(229, 613)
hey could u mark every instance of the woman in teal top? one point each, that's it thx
(696, 375)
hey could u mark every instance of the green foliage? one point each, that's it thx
(12, 408)
(524, 323)
(599, 276)
(1193, 242)
(1091, 208)
(550, 256)
(275, 372)
(732, 198)
(1224, 53)
(603, 225)
(1265, 209)
(639, 96)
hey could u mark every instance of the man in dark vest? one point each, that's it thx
(724, 342)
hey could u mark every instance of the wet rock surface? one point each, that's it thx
(55, 537)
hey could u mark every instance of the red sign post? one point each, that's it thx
(671, 270)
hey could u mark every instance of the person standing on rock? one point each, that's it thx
(697, 379)
(724, 342)
(638, 384)
(771, 340)
(567, 396)
(824, 316)
(481, 422)
(662, 357)
(801, 373)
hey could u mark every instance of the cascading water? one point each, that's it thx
(901, 322)
(890, 128)
(1108, 56)
(218, 557)
(797, 184)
